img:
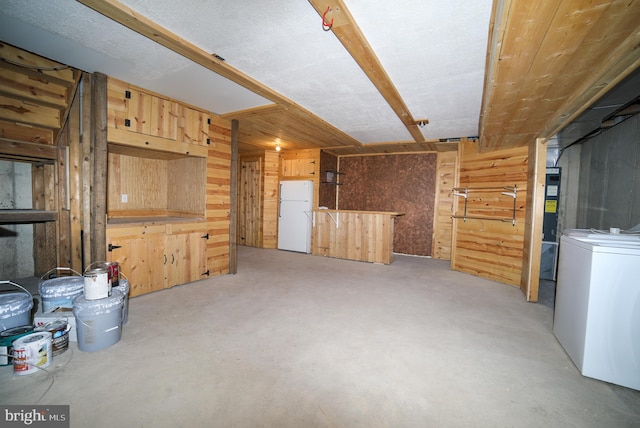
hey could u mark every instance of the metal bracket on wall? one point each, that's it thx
(463, 192)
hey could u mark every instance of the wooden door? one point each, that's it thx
(250, 200)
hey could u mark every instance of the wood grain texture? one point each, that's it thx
(549, 61)
(490, 248)
(354, 235)
(446, 170)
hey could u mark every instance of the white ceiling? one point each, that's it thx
(433, 51)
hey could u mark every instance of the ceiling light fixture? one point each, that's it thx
(422, 122)
(277, 147)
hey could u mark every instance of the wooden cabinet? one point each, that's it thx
(164, 198)
(154, 257)
(132, 109)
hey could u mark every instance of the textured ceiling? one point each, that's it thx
(434, 53)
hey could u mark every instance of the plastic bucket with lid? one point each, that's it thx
(57, 290)
(124, 287)
(98, 322)
(15, 307)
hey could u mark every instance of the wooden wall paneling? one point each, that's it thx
(533, 226)
(23, 112)
(186, 173)
(270, 204)
(250, 202)
(490, 248)
(75, 184)
(62, 188)
(45, 67)
(87, 167)
(143, 180)
(221, 196)
(446, 170)
(45, 249)
(99, 183)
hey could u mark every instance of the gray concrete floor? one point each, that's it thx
(295, 340)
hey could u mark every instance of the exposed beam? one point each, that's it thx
(348, 32)
(140, 24)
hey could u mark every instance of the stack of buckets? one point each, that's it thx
(102, 308)
(20, 346)
(99, 301)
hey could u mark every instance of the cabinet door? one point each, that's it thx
(151, 115)
(193, 126)
(140, 260)
(185, 258)
(298, 167)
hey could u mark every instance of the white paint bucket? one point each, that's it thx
(98, 322)
(15, 308)
(58, 290)
(7, 338)
(96, 284)
(32, 353)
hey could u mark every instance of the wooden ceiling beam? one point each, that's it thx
(126, 16)
(349, 34)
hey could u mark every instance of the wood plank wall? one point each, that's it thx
(218, 196)
(270, 197)
(491, 249)
(447, 172)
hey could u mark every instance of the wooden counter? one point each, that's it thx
(354, 235)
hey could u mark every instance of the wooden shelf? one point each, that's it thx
(26, 216)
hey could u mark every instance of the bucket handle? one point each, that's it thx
(93, 265)
(17, 285)
(48, 274)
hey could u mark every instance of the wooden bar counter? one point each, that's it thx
(354, 235)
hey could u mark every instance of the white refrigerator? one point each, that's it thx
(294, 216)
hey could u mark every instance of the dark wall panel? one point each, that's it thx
(327, 194)
(397, 183)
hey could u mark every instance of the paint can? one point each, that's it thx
(124, 287)
(98, 322)
(15, 307)
(113, 270)
(7, 338)
(58, 290)
(96, 284)
(59, 330)
(31, 353)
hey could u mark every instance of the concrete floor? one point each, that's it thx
(295, 340)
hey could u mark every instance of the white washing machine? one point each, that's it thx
(597, 308)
